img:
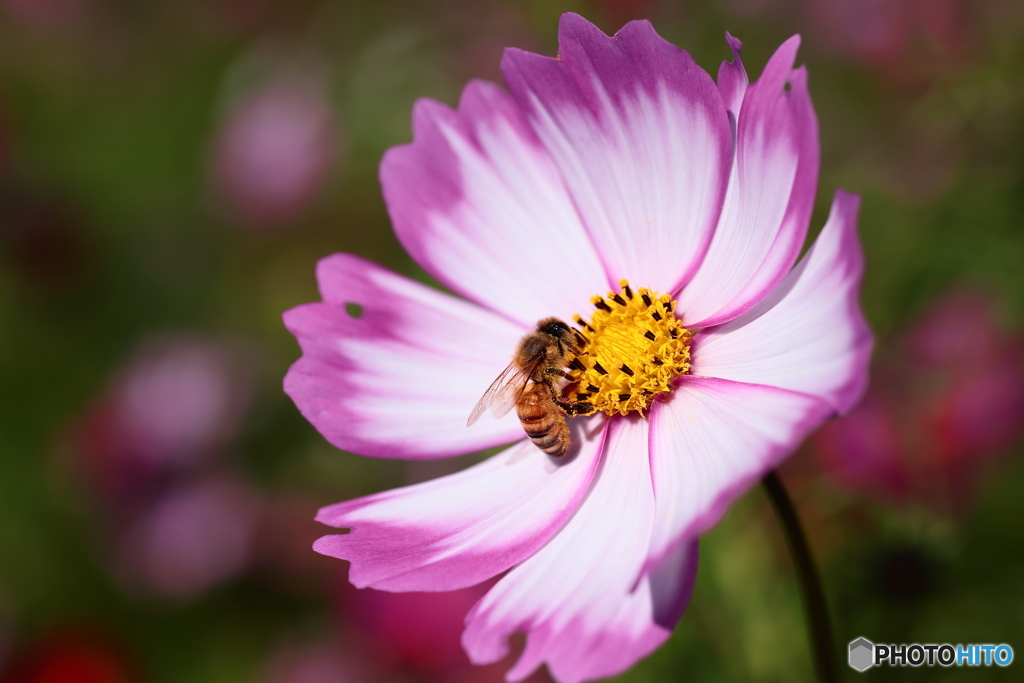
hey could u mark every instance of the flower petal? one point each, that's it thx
(771, 194)
(478, 202)
(459, 530)
(732, 79)
(809, 335)
(400, 380)
(710, 442)
(581, 599)
(644, 621)
(642, 139)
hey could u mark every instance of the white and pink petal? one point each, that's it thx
(809, 335)
(459, 530)
(644, 621)
(640, 135)
(587, 609)
(771, 191)
(710, 442)
(397, 377)
(732, 79)
(477, 201)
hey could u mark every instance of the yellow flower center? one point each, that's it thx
(633, 347)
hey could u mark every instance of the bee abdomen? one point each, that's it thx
(542, 422)
(538, 431)
(554, 441)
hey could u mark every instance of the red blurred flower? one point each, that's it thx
(77, 655)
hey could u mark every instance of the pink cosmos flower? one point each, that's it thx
(618, 160)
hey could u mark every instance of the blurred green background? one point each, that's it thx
(170, 171)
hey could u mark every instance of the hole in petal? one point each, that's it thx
(787, 87)
(354, 310)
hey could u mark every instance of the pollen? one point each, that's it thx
(632, 348)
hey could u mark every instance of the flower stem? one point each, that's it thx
(818, 625)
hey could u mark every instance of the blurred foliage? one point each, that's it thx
(114, 232)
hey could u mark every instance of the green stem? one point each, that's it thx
(820, 630)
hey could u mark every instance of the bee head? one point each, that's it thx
(560, 331)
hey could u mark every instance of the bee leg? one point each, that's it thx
(570, 408)
(556, 372)
(574, 408)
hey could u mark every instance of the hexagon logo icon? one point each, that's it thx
(862, 654)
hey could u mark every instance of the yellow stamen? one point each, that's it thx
(634, 346)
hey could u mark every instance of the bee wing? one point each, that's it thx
(503, 393)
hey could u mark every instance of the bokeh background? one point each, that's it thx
(170, 171)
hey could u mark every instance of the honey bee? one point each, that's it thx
(529, 384)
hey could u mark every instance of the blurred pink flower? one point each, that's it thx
(863, 449)
(418, 633)
(929, 425)
(906, 39)
(172, 404)
(142, 445)
(321, 662)
(274, 149)
(178, 399)
(959, 330)
(191, 539)
(619, 159)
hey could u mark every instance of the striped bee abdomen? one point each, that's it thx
(542, 421)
